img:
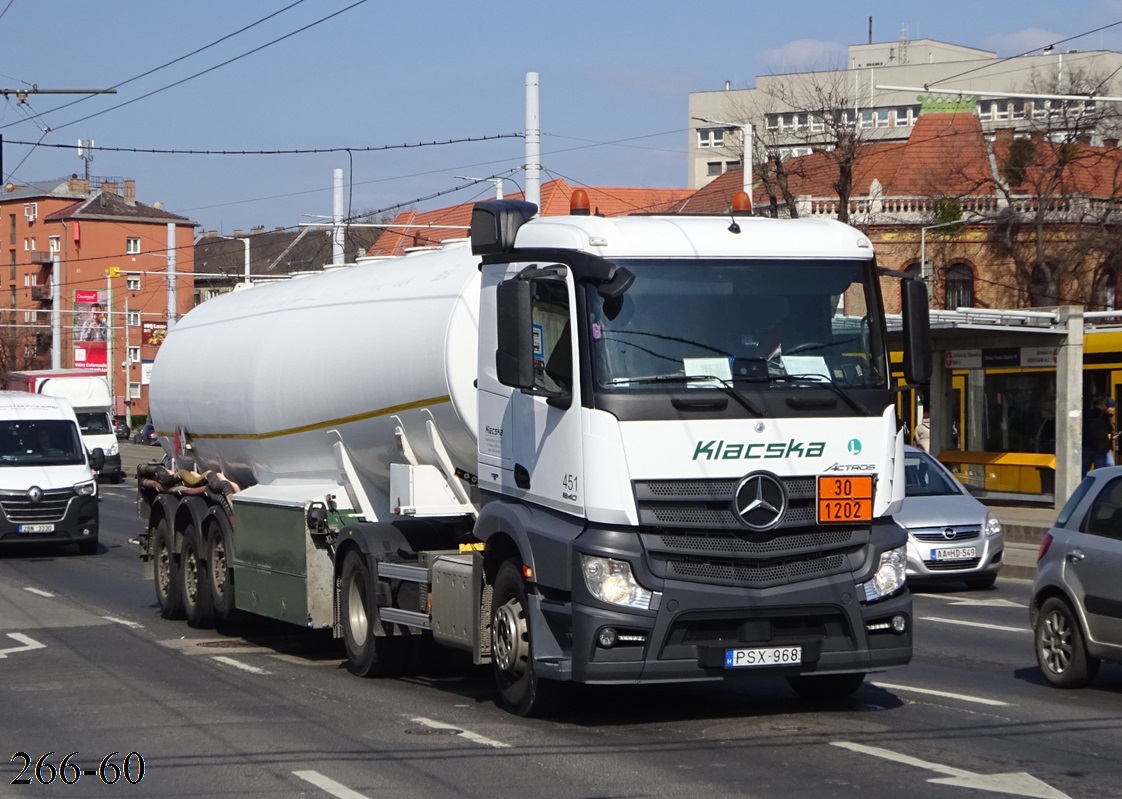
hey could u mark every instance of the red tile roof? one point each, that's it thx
(555, 194)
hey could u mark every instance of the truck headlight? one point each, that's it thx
(86, 489)
(890, 575)
(611, 581)
(991, 526)
(113, 450)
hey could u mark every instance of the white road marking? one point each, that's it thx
(329, 785)
(983, 625)
(125, 622)
(1018, 783)
(38, 592)
(471, 736)
(28, 642)
(237, 664)
(992, 603)
(979, 700)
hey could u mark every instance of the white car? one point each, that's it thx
(951, 535)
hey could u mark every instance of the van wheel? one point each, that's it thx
(87, 547)
(522, 691)
(1060, 648)
(219, 577)
(197, 604)
(368, 655)
(169, 595)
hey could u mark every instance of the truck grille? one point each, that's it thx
(18, 508)
(691, 533)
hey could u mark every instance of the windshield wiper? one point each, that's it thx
(721, 383)
(824, 380)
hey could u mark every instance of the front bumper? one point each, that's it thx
(922, 565)
(79, 523)
(113, 470)
(685, 635)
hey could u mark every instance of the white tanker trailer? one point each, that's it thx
(584, 450)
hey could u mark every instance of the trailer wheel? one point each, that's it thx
(219, 577)
(368, 655)
(522, 691)
(169, 596)
(197, 603)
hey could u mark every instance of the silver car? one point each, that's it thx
(950, 533)
(1076, 608)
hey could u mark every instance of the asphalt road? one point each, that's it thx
(263, 710)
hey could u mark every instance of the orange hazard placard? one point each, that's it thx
(845, 498)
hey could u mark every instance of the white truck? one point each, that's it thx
(88, 394)
(568, 448)
(48, 487)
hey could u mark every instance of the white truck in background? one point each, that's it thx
(568, 448)
(88, 394)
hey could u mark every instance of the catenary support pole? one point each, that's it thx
(172, 302)
(533, 141)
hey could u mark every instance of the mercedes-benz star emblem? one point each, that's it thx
(35, 494)
(760, 501)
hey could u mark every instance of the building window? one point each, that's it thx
(132, 246)
(55, 244)
(134, 391)
(958, 280)
(711, 137)
(12, 297)
(132, 283)
(12, 228)
(1105, 297)
(772, 121)
(132, 318)
(29, 243)
(134, 355)
(732, 165)
(12, 266)
(713, 168)
(1042, 292)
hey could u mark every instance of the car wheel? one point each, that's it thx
(1060, 648)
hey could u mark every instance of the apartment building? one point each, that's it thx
(88, 248)
(879, 93)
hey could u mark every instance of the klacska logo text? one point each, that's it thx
(724, 451)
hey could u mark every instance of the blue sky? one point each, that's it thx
(615, 78)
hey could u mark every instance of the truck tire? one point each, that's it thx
(197, 603)
(169, 595)
(219, 577)
(826, 687)
(368, 655)
(523, 692)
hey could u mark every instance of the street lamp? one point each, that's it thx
(924, 274)
(745, 148)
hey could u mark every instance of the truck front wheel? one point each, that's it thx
(826, 687)
(368, 655)
(169, 595)
(523, 692)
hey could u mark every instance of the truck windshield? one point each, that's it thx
(93, 423)
(40, 442)
(704, 322)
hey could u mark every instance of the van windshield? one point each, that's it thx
(40, 442)
(93, 423)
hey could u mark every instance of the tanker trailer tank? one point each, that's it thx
(259, 379)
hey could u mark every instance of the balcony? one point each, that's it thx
(41, 293)
(42, 257)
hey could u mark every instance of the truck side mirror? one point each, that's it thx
(514, 357)
(97, 459)
(917, 332)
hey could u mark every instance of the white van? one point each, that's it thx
(48, 483)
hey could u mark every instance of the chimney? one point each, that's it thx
(79, 185)
(253, 231)
(1003, 136)
(238, 233)
(130, 192)
(109, 187)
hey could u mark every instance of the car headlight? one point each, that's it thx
(113, 449)
(86, 489)
(890, 575)
(611, 581)
(991, 526)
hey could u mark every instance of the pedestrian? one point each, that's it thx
(1099, 435)
(922, 437)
